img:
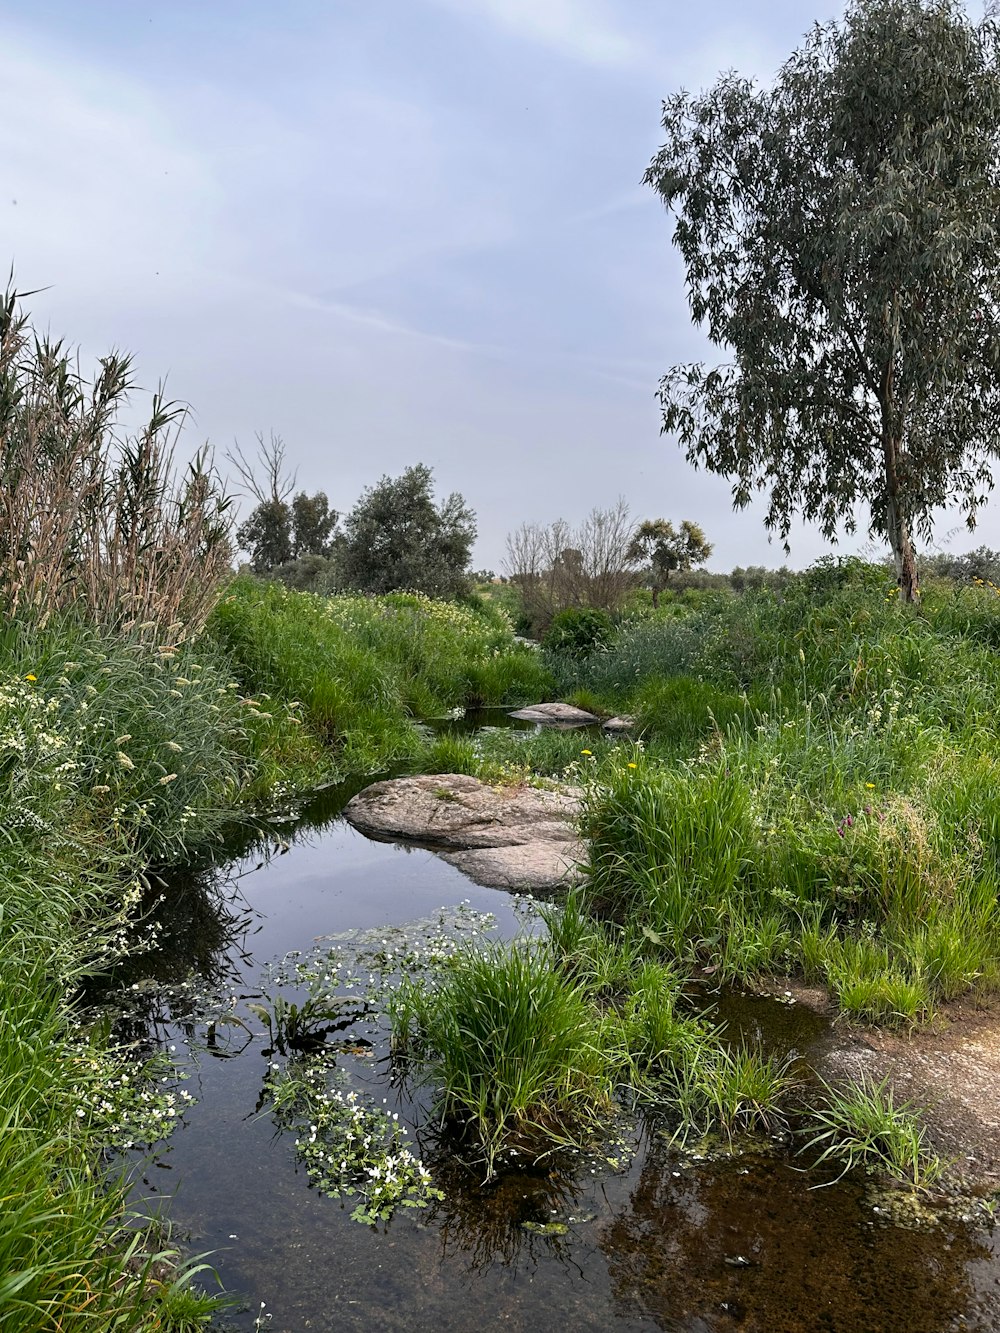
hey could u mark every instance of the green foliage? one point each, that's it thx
(362, 667)
(397, 538)
(267, 535)
(516, 1052)
(832, 229)
(665, 549)
(277, 533)
(70, 1254)
(578, 631)
(861, 1125)
(348, 1149)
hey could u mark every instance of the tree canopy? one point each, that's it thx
(396, 537)
(663, 548)
(277, 530)
(840, 231)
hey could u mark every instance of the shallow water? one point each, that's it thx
(662, 1241)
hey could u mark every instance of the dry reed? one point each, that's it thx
(91, 517)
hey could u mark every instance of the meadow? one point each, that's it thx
(810, 789)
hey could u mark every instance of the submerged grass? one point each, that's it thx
(861, 1125)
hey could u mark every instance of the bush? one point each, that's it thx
(576, 632)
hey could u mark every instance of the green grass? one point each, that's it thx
(817, 790)
(860, 1125)
(518, 1056)
(363, 668)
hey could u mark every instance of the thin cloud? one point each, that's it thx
(389, 324)
(576, 29)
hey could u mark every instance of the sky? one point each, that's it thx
(392, 231)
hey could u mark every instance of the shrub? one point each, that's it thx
(578, 631)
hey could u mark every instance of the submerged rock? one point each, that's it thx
(558, 714)
(502, 837)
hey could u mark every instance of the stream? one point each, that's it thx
(649, 1237)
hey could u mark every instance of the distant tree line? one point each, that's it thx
(395, 537)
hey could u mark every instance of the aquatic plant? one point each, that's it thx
(860, 1124)
(519, 1058)
(349, 1147)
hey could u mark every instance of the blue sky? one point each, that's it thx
(391, 230)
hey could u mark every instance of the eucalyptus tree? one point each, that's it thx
(840, 231)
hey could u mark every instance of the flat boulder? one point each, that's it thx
(564, 715)
(503, 837)
(525, 867)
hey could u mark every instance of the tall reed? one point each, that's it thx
(92, 517)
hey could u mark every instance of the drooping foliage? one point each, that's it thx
(840, 230)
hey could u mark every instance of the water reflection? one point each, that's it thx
(712, 1247)
(744, 1244)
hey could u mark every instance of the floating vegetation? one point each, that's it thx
(348, 1148)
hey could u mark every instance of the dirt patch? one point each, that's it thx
(951, 1067)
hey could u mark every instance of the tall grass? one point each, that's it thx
(91, 517)
(363, 668)
(843, 821)
(518, 1055)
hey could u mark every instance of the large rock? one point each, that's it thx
(564, 715)
(503, 837)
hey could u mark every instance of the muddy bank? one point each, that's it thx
(951, 1067)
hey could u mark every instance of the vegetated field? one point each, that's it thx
(815, 790)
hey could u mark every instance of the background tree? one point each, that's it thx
(397, 537)
(664, 549)
(277, 532)
(556, 568)
(841, 236)
(314, 525)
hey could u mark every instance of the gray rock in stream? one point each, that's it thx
(625, 722)
(503, 837)
(560, 714)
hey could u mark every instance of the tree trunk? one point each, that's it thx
(656, 596)
(898, 527)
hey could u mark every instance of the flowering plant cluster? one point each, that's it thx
(348, 1148)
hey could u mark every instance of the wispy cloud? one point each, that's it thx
(581, 30)
(380, 322)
